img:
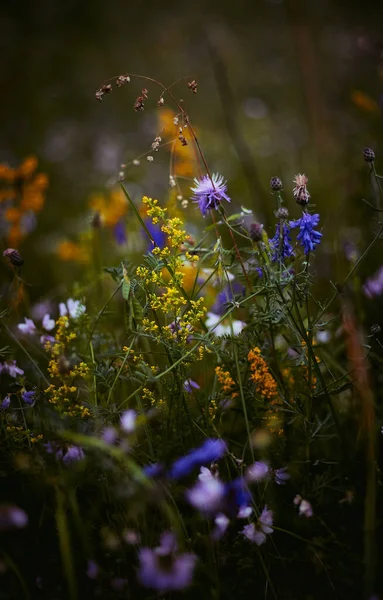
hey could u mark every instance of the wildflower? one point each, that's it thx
(109, 435)
(257, 472)
(213, 324)
(73, 454)
(28, 397)
(128, 421)
(92, 570)
(257, 532)
(276, 184)
(221, 524)
(12, 517)
(192, 85)
(374, 285)
(14, 257)
(211, 450)
(74, 307)
(305, 507)
(28, 327)
(46, 338)
(244, 512)
(163, 569)
(11, 368)
(256, 232)
(280, 243)
(206, 474)
(207, 495)
(48, 323)
(260, 375)
(189, 385)
(238, 496)
(368, 155)
(226, 296)
(307, 236)
(5, 403)
(226, 381)
(153, 470)
(120, 233)
(209, 192)
(281, 476)
(300, 191)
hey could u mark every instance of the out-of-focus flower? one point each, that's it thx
(258, 532)
(72, 307)
(163, 569)
(12, 517)
(221, 524)
(48, 323)
(280, 243)
(109, 435)
(209, 193)
(237, 496)
(305, 507)
(92, 570)
(374, 285)
(29, 397)
(207, 495)
(190, 385)
(257, 472)
(28, 328)
(73, 454)
(10, 367)
(209, 451)
(221, 329)
(244, 512)
(128, 421)
(281, 476)
(119, 233)
(307, 236)
(153, 470)
(5, 403)
(110, 209)
(226, 296)
(69, 251)
(300, 191)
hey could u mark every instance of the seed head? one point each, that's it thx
(193, 86)
(256, 232)
(369, 155)
(282, 213)
(122, 79)
(104, 89)
(276, 184)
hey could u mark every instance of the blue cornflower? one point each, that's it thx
(209, 192)
(280, 243)
(307, 236)
(29, 397)
(211, 450)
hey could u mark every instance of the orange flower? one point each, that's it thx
(70, 251)
(110, 210)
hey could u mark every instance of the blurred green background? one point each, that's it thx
(284, 86)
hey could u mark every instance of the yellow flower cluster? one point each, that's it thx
(148, 396)
(226, 381)
(265, 384)
(20, 434)
(23, 191)
(64, 394)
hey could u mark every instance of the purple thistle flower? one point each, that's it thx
(257, 532)
(211, 450)
(280, 243)
(163, 569)
(208, 193)
(29, 397)
(307, 236)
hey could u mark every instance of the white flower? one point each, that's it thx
(213, 319)
(74, 307)
(28, 327)
(207, 495)
(128, 421)
(48, 323)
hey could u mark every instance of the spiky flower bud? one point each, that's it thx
(256, 232)
(282, 213)
(276, 184)
(369, 155)
(14, 257)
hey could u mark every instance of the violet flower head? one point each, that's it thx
(163, 568)
(48, 323)
(281, 476)
(307, 236)
(374, 285)
(207, 495)
(257, 471)
(190, 386)
(73, 454)
(257, 532)
(119, 233)
(5, 403)
(29, 397)
(280, 243)
(10, 367)
(12, 517)
(209, 193)
(128, 420)
(211, 450)
(28, 328)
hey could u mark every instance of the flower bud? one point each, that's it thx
(368, 155)
(256, 232)
(276, 184)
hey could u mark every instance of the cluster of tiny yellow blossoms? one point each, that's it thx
(148, 396)
(63, 394)
(20, 434)
(226, 381)
(171, 301)
(213, 409)
(260, 375)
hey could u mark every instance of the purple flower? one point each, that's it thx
(12, 517)
(109, 435)
(153, 470)
(29, 397)
(11, 368)
(28, 327)
(120, 233)
(257, 532)
(158, 236)
(48, 323)
(92, 570)
(374, 285)
(163, 569)
(221, 524)
(257, 472)
(238, 496)
(307, 236)
(73, 454)
(226, 296)
(209, 193)
(280, 243)
(305, 507)
(281, 476)
(211, 450)
(207, 495)
(189, 385)
(128, 421)
(5, 403)
(46, 338)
